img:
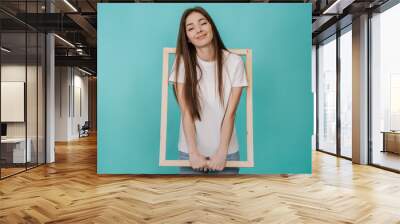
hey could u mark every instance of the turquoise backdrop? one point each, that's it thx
(130, 42)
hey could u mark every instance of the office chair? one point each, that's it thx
(84, 130)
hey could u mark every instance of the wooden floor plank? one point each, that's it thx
(70, 191)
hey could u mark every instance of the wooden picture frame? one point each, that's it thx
(249, 112)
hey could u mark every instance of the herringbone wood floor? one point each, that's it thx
(70, 191)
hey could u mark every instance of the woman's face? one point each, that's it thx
(198, 29)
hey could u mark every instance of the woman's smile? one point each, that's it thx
(201, 37)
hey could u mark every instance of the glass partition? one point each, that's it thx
(32, 95)
(14, 153)
(41, 91)
(22, 78)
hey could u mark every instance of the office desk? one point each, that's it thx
(15, 148)
(391, 141)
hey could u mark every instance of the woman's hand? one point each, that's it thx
(197, 161)
(217, 161)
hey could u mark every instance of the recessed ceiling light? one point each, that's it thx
(64, 40)
(70, 5)
(84, 71)
(5, 50)
(338, 6)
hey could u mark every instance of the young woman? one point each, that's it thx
(208, 81)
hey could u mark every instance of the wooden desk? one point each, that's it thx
(13, 150)
(391, 141)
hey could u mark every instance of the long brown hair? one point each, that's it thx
(187, 51)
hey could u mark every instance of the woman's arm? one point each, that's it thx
(217, 161)
(196, 160)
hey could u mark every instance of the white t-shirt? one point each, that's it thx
(208, 130)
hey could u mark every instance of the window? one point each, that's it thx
(346, 92)
(327, 95)
(385, 88)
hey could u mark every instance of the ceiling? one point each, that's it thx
(76, 22)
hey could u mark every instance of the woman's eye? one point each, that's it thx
(204, 24)
(190, 29)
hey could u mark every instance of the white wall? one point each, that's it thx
(33, 127)
(71, 87)
(12, 101)
(80, 89)
(15, 72)
(62, 81)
